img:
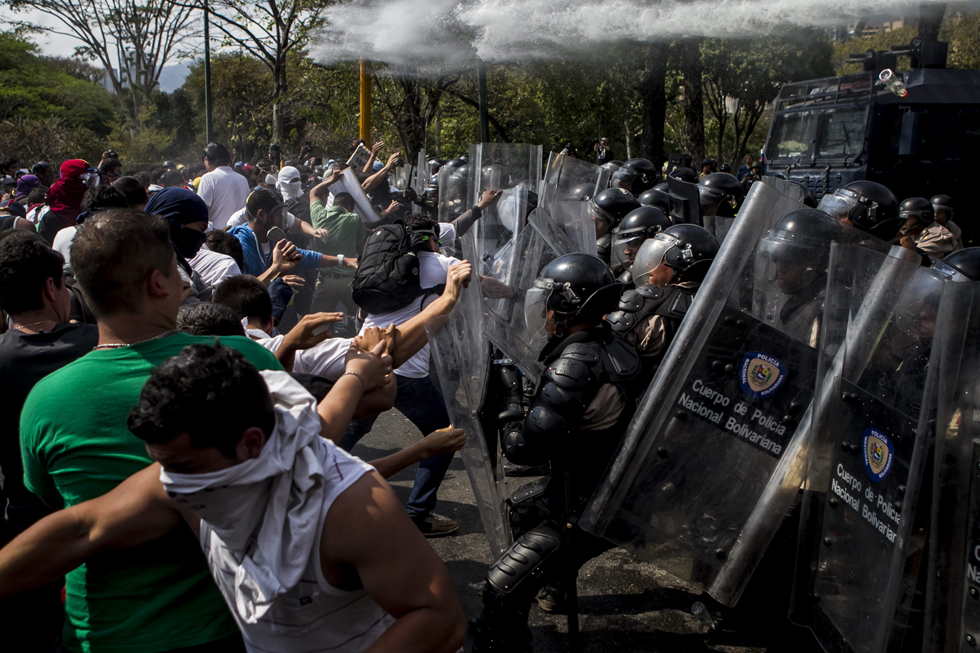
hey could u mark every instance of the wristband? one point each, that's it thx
(363, 385)
(340, 260)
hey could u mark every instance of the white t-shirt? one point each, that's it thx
(314, 615)
(224, 191)
(212, 266)
(62, 243)
(325, 359)
(35, 214)
(432, 272)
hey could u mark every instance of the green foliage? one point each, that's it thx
(843, 50)
(49, 139)
(960, 29)
(142, 142)
(37, 87)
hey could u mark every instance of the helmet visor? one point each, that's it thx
(838, 206)
(651, 256)
(536, 310)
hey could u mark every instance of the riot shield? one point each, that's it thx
(567, 227)
(462, 360)
(420, 174)
(567, 174)
(506, 326)
(710, 463)
(403, 176)
(685, 202)
(862, 537)
(952, 620)
(362, 205)
(453, 189)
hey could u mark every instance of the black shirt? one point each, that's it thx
(25, 359)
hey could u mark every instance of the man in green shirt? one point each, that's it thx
(346, 234)
(75, 446)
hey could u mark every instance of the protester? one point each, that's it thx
(64, 198)
(235, 447)
(223, 190)
(127, 267)
(345, 239)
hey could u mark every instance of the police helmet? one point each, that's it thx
(686, 248)
(494, 177)
(645, 172)
(582, 192)
(917, 207)
(656, 197)
(802, 238)
(867, 205)
(942, 203)
(961, 263)
(641, 223)
(612, 205)
(577, 287)
(685, 174)
(723, 190)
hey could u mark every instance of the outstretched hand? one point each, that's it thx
(373, 368)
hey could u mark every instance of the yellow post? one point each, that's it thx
(365, 123)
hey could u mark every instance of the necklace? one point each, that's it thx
(28, 326)
(117, 345)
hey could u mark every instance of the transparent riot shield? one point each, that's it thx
(462, 359)
(506, 323)
(862, 537)
(420, 174)
(567, 227)
(705, 471)
(952, 620)
(362, 205)
(566, 175)
(454, 186)
(685, 202)
(403, 176)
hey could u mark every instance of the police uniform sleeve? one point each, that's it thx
(568, 387)
(936, 242)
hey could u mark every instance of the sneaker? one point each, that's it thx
(436, 525)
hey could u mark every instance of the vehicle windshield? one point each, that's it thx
(841, 132)
(791, 135)
(836, 132)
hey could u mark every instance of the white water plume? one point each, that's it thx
(446, 34)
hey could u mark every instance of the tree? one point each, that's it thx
(141, 38)
(270, 30)
(37, 88)
(743, 76)
(653, 90)
(412, 105)
(690, 66)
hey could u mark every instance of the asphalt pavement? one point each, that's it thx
(625, 604)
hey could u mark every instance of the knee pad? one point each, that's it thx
(524, 560)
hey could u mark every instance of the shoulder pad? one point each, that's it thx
(620, 362)
(677, 304)
(581, 351)
(633, 300)
(634, 305)
(569, 373)
(604, 247)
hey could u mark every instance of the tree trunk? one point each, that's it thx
(629, 139)
(278, 130)
(691, 69)
(653, 94)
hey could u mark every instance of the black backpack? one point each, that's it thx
(387, 277)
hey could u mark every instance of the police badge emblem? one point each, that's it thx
(878, 454)
(761, 375)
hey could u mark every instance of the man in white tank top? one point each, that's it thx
(309, 546)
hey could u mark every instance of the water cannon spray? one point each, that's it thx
(893, 82)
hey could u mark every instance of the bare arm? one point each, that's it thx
(321, 189)
(408, 338)
(137, 511)
(447, 440)
(367, 372)
(372, 181)
(399, 570)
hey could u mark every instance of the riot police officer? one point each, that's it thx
(642, 223)
(867, 205)
(921, 231)
(645, 175)
(942, 206)
(656, 197)
(720, 194)
(579, 412)
(668, 270)
(795, 255)
(607, 209)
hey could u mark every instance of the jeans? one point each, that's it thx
(421, 403)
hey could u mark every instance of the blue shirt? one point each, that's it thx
(256, 262)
